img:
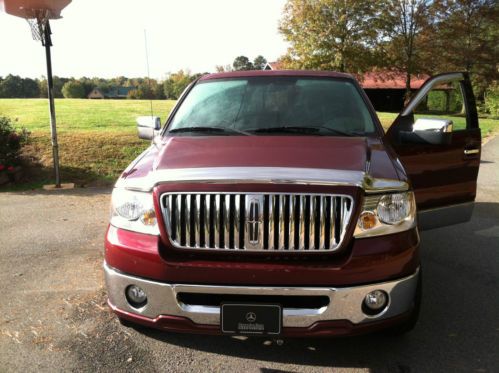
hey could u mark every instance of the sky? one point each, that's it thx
(105, 38)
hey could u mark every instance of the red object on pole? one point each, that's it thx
(31, 8)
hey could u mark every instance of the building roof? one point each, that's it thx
(277, 65)
(390, 80)
(119, 91)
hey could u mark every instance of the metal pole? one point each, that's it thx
(50, 85)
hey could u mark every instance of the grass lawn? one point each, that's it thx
(98, 138)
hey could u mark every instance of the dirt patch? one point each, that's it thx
(97, 340)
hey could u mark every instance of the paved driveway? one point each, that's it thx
(53, 315)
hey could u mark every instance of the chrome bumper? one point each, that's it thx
(344, 303)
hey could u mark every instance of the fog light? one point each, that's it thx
(375, 302)
(136, 296)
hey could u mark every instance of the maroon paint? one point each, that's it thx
(368, 261)
(442, 174)
(256, 73)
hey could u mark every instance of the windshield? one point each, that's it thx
(291, 105)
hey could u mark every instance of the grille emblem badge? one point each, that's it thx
(254, 220)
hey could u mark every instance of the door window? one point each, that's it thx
(444, 101)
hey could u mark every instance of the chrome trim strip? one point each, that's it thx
(471, 151)
(263, 175)
(345, 302)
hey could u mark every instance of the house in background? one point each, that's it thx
(273, 66)
(113, 93)
(386, 90)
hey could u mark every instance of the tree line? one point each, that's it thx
(13, 86)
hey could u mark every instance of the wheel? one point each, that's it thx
(410, 323)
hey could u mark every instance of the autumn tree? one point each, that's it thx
(401, 25)
(329, 34)
(175, 84)
(467, 39)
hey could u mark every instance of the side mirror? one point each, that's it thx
(148, 127)
(429, 131)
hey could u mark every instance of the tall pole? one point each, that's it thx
(47, 42)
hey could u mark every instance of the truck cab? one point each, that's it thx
(275, 203)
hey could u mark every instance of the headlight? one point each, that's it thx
(133, 211)
(386, 214)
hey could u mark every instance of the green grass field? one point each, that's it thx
(82, 115)
(98, 138)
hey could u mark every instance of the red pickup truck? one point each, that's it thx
(274, 203)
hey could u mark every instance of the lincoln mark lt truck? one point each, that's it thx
(274, 203)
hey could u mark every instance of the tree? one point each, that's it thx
(73, 89)
(175, 84)
(259, 62)
(467, 39)
(242, 63)
(223, 68)
(30, 88)
(329, 34)
(12, 86)
(401, 26)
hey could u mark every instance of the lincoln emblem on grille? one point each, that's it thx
(254, 219)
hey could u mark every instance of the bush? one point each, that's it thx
(10, 144)
(491, 100)
(73, 89)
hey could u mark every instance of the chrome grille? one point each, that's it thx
(256, 222)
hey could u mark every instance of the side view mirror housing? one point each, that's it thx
(148, 127)
(429, 131)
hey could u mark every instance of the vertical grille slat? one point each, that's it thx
(281, 223)
(216, 224)
(227, 219)
(301, 224)
(322, 223)
(255, 222)
(332, 229)
(312, 223)
(291, 229)
(176, 214)
(237, 222)
(197, 220)
(271, 243)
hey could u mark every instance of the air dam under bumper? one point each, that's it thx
(345, 303)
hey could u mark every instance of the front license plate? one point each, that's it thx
(251, 318)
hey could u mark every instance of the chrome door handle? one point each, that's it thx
(471, 151)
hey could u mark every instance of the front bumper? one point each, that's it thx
(344, 311)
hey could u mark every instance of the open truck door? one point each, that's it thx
(437, 139)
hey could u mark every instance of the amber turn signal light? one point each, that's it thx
(367, 220)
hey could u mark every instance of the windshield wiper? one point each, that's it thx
(209, 129)
(303, 129)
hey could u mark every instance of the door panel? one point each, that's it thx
(442, 175)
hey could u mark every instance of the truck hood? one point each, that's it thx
(337, 159)
(263, 151)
